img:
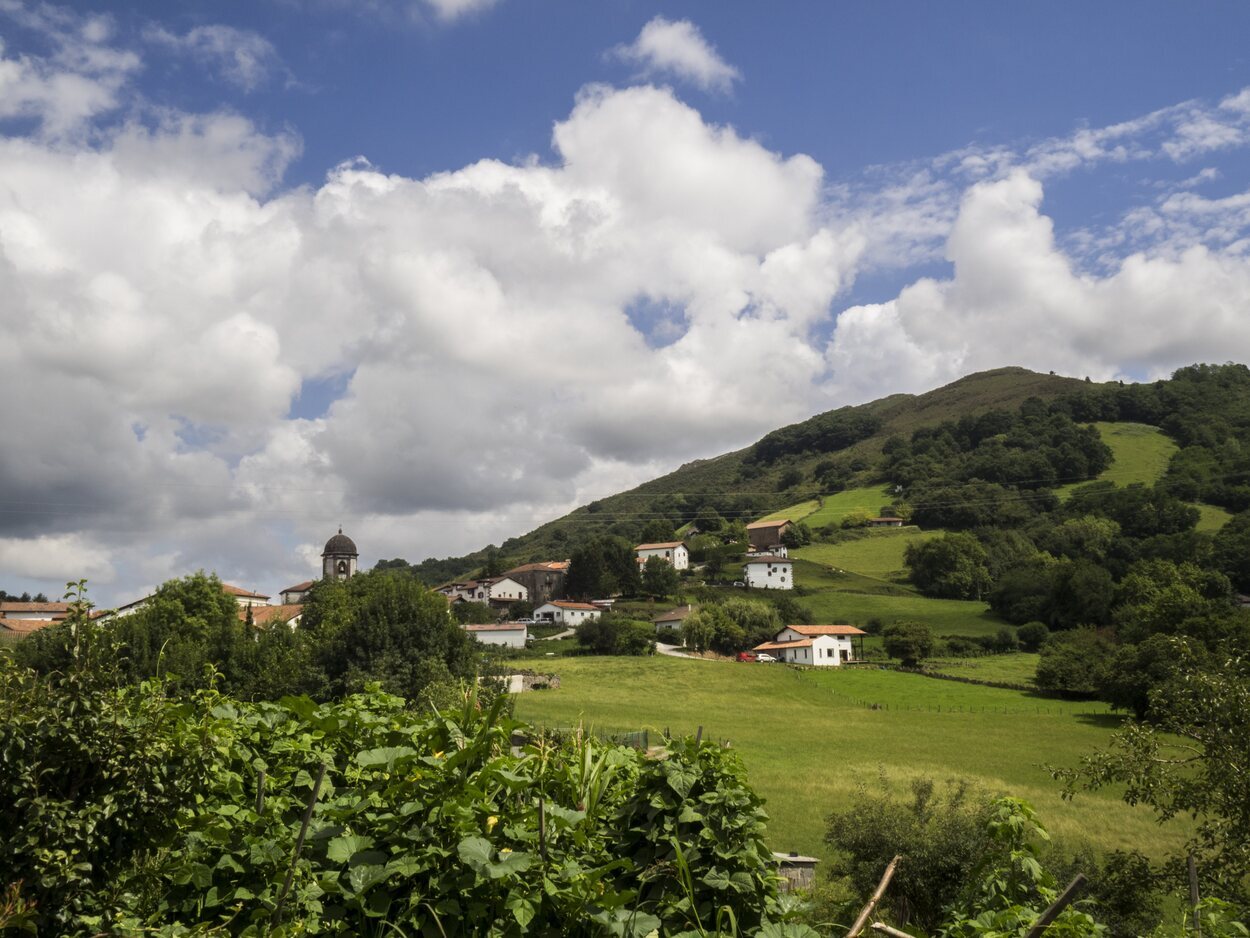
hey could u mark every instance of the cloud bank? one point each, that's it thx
(513, 338)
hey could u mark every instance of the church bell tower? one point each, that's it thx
(338, 560)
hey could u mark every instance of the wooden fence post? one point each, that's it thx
(876, 897)
(1065, 899)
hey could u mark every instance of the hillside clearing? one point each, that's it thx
(1141, 453)
(809, 742)
(877, 553)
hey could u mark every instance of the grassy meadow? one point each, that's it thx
(1141, 454)
(810, 740)
(878, 553)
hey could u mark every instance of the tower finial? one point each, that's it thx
(340, 529)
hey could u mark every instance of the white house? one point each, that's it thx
(508, 634)
(563, 612)
(672, 620)
(777, 550)
(501, 590)
(674, 552)
(821, 646)
(885, 522)
(768, 572)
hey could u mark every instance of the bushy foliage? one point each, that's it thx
(659, 578)
(941, 833)
(824, 433)
(611, 634)
(1074, 661)
(908, 641)
(953, 566)
(1195, 761)
(127, 810)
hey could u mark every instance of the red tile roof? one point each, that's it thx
(774, 646)
(300, 587)
(497, 627)
(264, 615)
(665, 545)
(756, 525)
(25, 626)
(240, 591)
(564, 604)
(814, 630)
(9, 607)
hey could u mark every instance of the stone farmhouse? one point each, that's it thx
(543, 580)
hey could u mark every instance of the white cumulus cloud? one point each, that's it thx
(677, 48)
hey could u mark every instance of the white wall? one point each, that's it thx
(678, 556)
(512, 638)
(774, 576)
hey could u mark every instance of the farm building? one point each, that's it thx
(674, 552)
(821, 646)
(768, 572)
(885, 522)
(508, 634)
(566, 613)
(544, 580)
(764, 535)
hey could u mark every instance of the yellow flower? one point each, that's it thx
(491, 822)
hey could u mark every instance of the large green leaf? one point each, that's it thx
(341, 849)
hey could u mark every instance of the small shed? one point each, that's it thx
(797, 871)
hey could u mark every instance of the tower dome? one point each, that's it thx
(338, 560)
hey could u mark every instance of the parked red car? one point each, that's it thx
(746, 656)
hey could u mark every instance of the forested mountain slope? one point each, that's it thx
(776, 471)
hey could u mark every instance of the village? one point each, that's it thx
(538, 588)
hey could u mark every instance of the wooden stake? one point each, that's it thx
(876, 897)
(299, 845)
(892, 932)
(260, 791)
(1193, 894)
(698, 737)
(1065, 899)
(542, 829)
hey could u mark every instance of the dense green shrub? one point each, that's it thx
(125, 809)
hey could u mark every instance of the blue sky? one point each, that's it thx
(420, 266)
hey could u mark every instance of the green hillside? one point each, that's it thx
(742, 488)
(810, 740)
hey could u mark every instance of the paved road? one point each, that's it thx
(567, 633)
(672, 652)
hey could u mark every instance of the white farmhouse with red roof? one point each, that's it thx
(821, 646)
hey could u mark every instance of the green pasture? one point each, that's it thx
(878, 553)
(1018, 668)
(1211, 517)
(831, 509)
(1141, 454)
(810, 740)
